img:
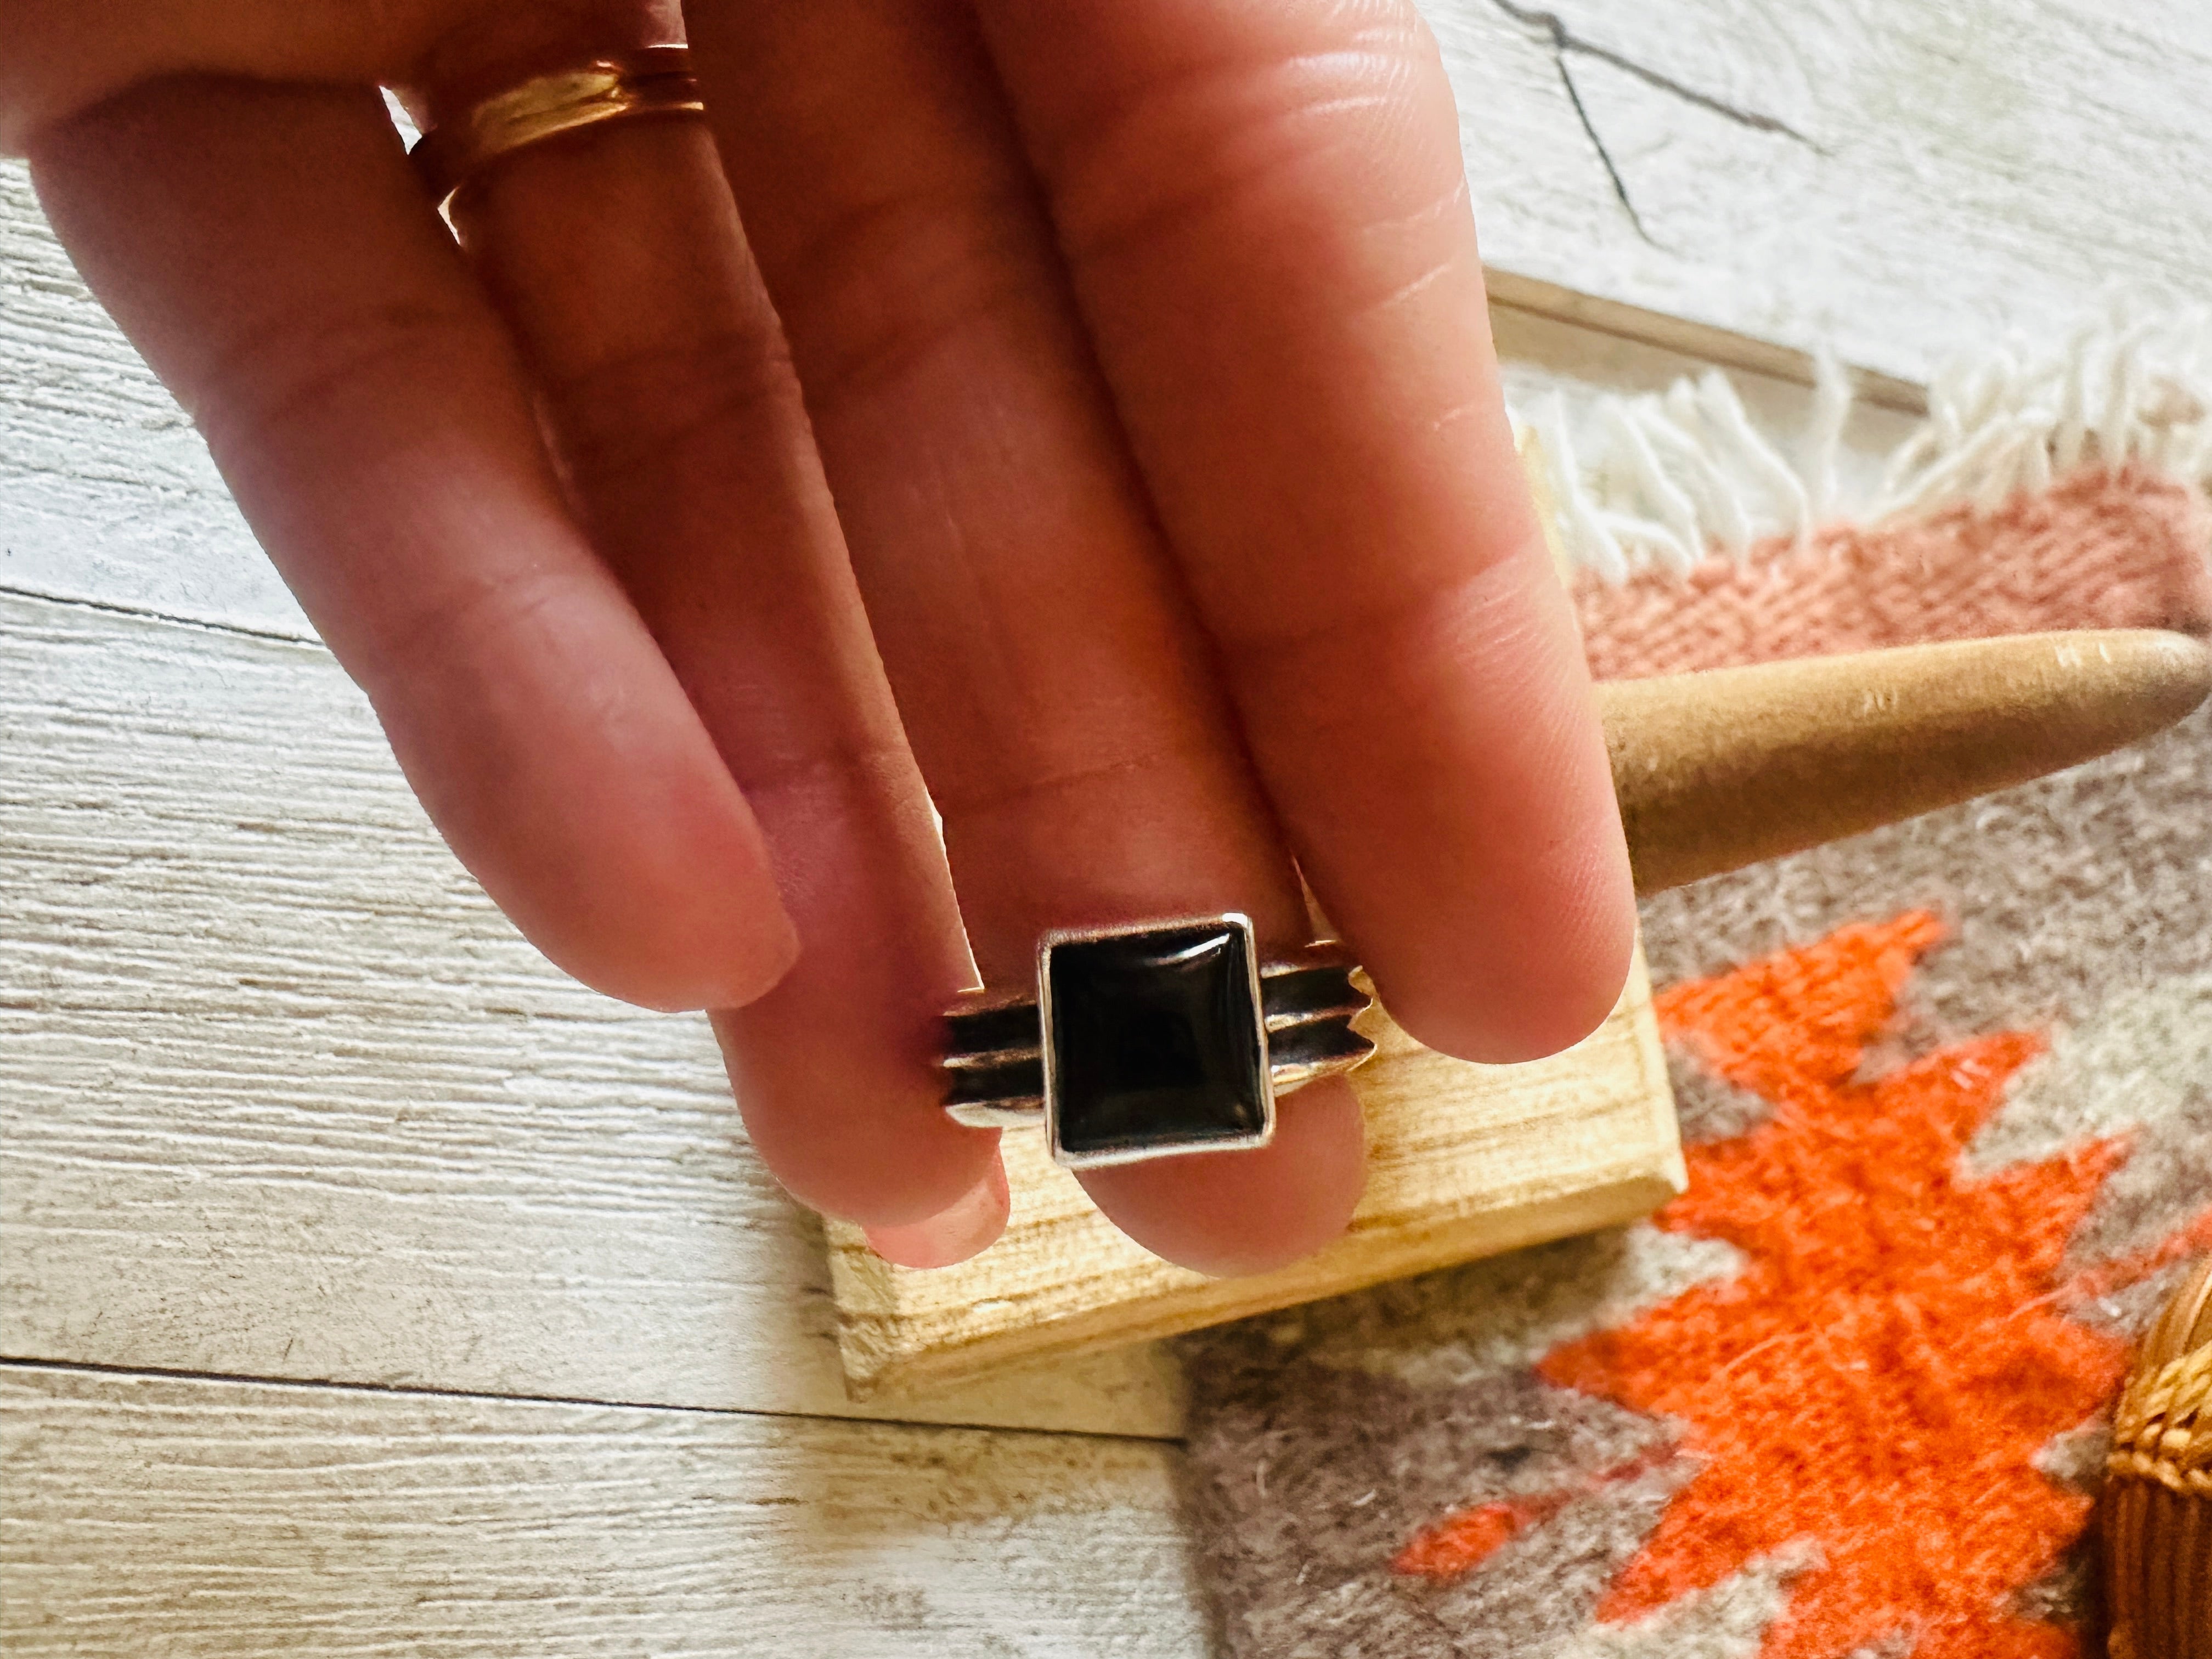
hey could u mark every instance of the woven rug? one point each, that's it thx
(1947, 1096)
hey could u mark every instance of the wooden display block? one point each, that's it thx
(1462, 1161)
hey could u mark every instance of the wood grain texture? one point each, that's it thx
(107, 492)
(1892, 179)
(1724, 769)
(1462, 1161)
(282, 1095)
(194, 1520)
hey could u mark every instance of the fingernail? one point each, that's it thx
(774, 953)
(954, 1233)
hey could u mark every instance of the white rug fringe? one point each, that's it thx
(1661, 480)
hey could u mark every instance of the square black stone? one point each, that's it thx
(1156, 1042)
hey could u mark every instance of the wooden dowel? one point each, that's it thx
(1721, 769)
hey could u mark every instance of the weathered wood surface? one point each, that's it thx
(1894, 179)
(281, 1094)
(196, 1520)
(1462, 1161)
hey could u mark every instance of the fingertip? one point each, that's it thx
(1515, 1022)
(676, 911)
(1466, 834)
(758, 961)
(1235, 1214)
(730, 960)
(1546, 978)
(904, 1182)
(836, 1081)
(731, 957)
(963, 1229)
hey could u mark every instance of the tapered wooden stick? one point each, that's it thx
(1721, 769)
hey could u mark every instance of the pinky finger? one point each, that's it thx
(267, 250)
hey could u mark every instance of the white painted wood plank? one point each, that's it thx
(186, 1519)
(1895, 179)
(106, 493)
(282, 1095)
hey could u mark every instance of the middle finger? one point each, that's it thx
(1055, 687)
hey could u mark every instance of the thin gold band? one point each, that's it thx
(651, 81)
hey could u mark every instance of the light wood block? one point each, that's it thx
(1463, 1161)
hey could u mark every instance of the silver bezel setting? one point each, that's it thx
(996, 1062)
(1059, 936)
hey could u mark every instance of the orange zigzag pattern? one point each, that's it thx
(1880, 1378)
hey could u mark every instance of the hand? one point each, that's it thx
(1127, 361)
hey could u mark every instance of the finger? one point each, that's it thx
(1056, 690)
(616, 256)
(65, 57)
(269, 250)
(953, 1234)
(1264, 210)
(1230, 1213)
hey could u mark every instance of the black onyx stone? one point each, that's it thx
(1156, 1042)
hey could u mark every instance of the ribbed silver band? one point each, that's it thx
(994, 1057)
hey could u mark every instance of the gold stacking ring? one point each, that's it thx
(650, 80)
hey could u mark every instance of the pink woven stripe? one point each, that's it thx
(2098, 549)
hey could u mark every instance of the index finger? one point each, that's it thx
(268, 248)
(1265, 213)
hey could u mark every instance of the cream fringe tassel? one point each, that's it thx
(1666, 479)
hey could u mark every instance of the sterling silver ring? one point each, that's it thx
(1152, 1040)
